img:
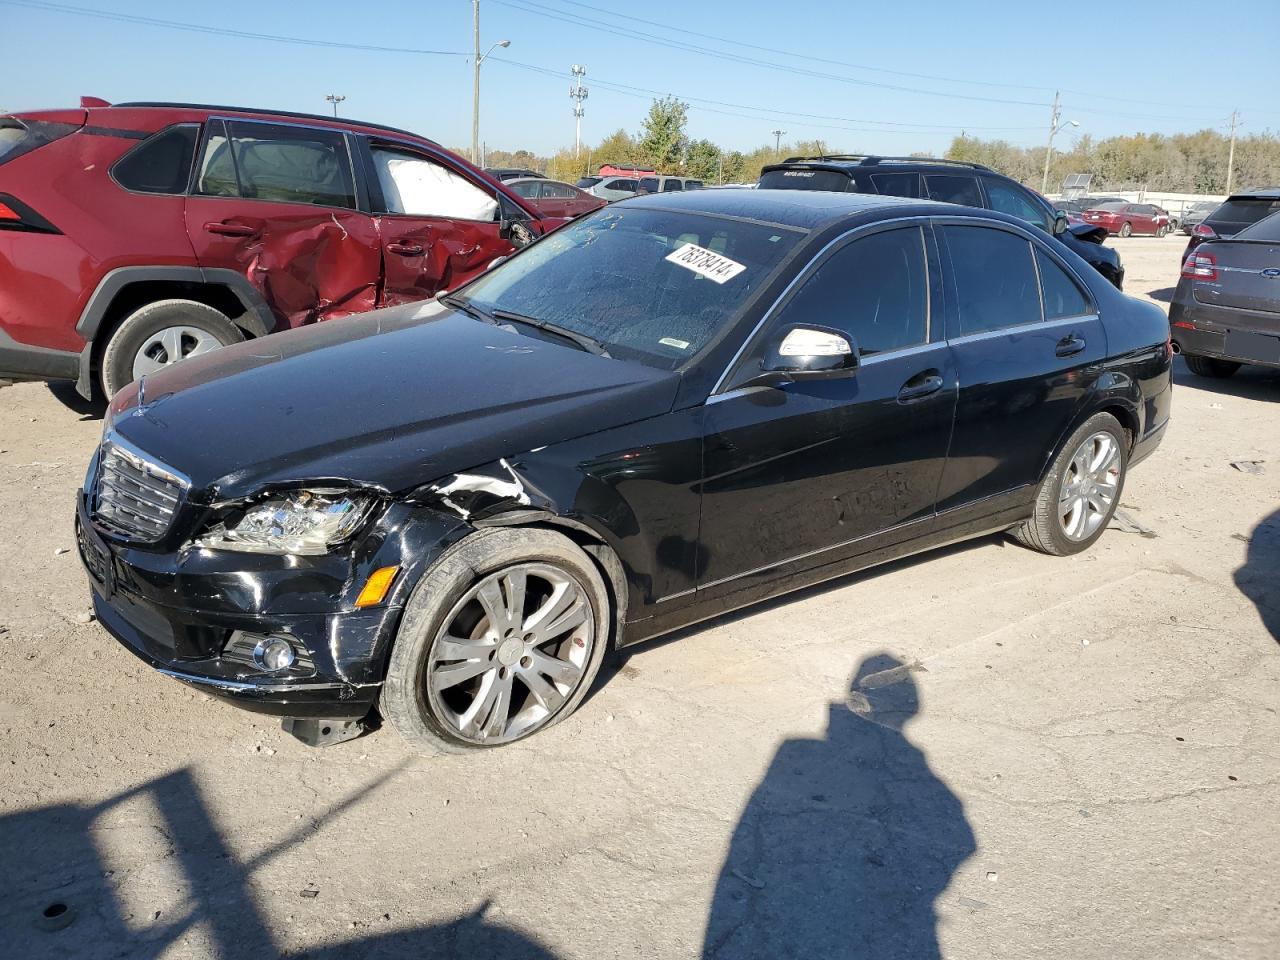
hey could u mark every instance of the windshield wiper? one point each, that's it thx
(588, 343)
(466, 306)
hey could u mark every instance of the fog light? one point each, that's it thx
(274, 653)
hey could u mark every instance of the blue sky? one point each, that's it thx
(990, 69)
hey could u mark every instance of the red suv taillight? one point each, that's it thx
(1200, 266)
(16, 215)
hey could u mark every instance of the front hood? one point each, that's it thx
(393, 399)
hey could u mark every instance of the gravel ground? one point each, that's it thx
(1075, 758)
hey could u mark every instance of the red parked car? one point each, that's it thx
(1124, 218)
(136, 235)
(555, 199)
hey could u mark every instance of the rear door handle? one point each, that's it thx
(1070, 345)
(920, 386)
(405, 249)
(230, 229)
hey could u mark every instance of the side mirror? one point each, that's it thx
(1060, 223)
(516, 233)
(803, 352)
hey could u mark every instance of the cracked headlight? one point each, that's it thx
(302, 522)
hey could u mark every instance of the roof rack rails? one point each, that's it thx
(275, 113)
(871, 160)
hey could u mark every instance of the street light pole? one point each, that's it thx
(1054, 127)
(475, 79)
(1231, 154)
(777, 139)
(335, 99)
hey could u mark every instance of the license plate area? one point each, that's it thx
(1253, 346)
(96, 555)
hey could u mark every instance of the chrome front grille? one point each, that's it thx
(134, 496)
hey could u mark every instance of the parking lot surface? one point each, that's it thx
(1043, 757)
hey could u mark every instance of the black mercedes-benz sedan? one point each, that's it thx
(666, 410)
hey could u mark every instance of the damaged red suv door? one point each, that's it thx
(438, 225)
(279, 203)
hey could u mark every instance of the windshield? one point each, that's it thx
(1264, 231)
(588, 182)
(650, 285)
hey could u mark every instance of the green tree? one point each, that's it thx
(619, 148)
(662, 136)
(702, 161)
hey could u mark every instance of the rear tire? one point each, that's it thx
(446, 626)
(1126, 230)
(186, 326)
(1055, 528)
(1210, 366)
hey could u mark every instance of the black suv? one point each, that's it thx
(950, 181)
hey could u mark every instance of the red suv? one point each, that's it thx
(135, 235)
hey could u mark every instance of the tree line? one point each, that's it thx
(1181, 163)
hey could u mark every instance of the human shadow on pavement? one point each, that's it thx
(1259, 578)
(62, 897)
(846, 843)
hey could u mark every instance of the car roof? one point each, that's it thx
(803, 209)
(540, 179)
(847, 163)
(1262, 193)
(259, 112)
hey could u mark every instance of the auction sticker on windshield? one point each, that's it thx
(706, 263)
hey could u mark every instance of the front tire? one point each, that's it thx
(1126, 230)
(1210, 366)
(159, 335)
(1081, 491)
(501, 639)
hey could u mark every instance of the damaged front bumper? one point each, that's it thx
(196, 615)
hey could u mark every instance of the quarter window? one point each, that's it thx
(161, 164)
(417, 187)
(897, 184)
(995, 278)
(1062, 297)
(953, 189)
(1012, 200)
(277, 162)
(876, 289)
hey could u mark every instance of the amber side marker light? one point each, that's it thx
(376, 587)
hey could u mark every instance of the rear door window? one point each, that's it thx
(994, 277)
(1013, 200)
(672, 185)
(626, 186)
(160, 164)
(649, 184)
(1062, 296)
(898, 184)
(285, 164)
(950, 188)
(415, 186)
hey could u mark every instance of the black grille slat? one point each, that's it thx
(135, 498)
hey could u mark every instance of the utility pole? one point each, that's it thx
(577, 93)
(777, 139)
(475, 83)
(335, 99)
(1231, 152)
(475, 79)
(1054, 127)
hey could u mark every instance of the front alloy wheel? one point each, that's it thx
(501, 638)
(510, 653)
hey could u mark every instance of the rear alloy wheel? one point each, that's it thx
(159, 335)
(1081, 491)
(501, 639)
(1126, 230)
(1210, 366)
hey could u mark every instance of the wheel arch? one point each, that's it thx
(1116, 394)
(126, 289)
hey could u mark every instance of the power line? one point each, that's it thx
(222, 31)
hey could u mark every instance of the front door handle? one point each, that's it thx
(405, 249)
(919, 387)
(230, 229)
(1070, 345)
